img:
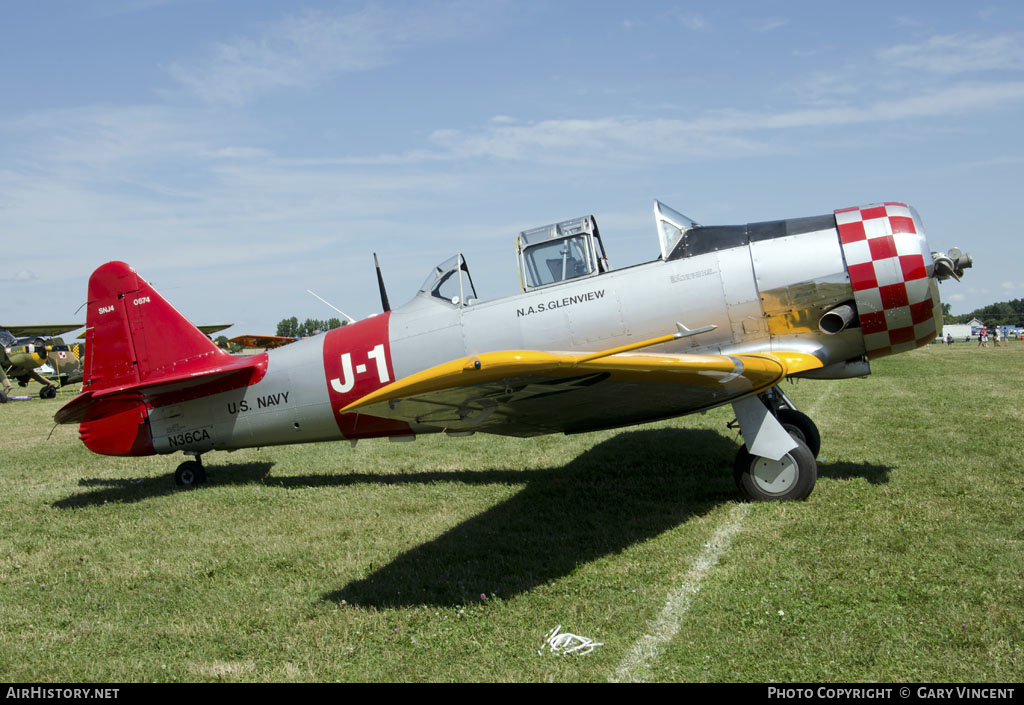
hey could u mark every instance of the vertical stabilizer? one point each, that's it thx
(134, 335)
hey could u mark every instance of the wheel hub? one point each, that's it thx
(775, 476)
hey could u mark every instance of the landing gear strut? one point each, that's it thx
(787, 443)
(190, 473)
(798, 424)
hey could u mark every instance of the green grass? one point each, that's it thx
(324, 562)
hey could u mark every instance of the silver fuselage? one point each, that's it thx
(761, 292)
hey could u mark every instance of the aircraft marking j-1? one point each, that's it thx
(722, 316)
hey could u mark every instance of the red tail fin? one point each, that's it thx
(133, 335)
(142, 353)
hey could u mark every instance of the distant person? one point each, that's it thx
(983, 338)
(995, 338)
(949, 338)
(6, 382)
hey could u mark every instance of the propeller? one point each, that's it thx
(951, 264)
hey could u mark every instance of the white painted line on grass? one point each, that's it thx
(812, 412)
(635, 667)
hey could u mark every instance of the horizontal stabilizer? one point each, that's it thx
(97, 403)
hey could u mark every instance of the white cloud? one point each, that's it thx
(767, 25)
(959, 53)
(241, 153)
(100, 139)
(306, 49)
(23, 275)
(615, 140)
(611, 140)
(692, 21)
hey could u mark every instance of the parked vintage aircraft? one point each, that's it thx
(267, 342)
(721, 317)
(23, 349)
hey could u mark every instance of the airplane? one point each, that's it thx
(722, 316)
(267, 342)
(44, 359)
(23, 349)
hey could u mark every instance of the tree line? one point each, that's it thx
(1004, 313)
(291, 328)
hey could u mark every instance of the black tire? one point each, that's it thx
(48, 392)
(189, 474)
(800, 426)
(792, 477)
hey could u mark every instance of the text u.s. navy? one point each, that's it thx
(261, 402)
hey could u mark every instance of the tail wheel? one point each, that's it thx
(189, 474)
(791, 477)
(800, 426)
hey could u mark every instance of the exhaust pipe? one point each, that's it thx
(837, 319)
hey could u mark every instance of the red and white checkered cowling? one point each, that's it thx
(890, 267)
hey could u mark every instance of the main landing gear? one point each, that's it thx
(790, 477)
(190, 473)
(783, 444)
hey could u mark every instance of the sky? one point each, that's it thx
(238, 153)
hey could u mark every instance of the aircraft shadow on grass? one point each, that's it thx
(621, 492)
(624, 491)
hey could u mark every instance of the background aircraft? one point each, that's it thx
(26, 348)
(721, 317)
(267, 342)
(212, 328)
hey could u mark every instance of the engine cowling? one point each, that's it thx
(891, 272)
(28, 353)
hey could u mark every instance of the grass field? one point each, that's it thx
(451, 559)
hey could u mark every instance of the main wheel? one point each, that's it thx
(791, 477)
(189, 474)
(800, 426)
(48, 392)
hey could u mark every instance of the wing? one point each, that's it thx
(261, 341)
(214, 328)
(525, 393)
(47, 330)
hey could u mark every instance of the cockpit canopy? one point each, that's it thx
(556, 253)
(451, 282)
(552, 254)
(672, 227)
